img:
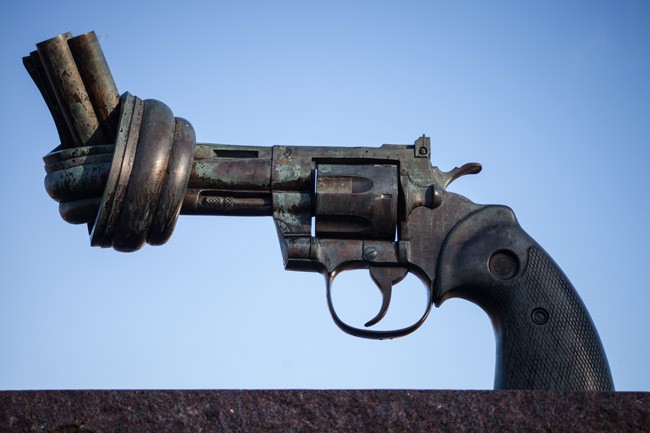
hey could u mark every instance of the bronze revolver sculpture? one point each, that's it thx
(128, 168)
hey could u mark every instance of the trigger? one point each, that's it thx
(385, 278)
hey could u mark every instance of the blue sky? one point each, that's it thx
(550, 97)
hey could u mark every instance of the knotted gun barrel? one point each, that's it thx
(128, 167)
(78, 88)
(123, 163)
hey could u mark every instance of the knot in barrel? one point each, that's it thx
(148, 176)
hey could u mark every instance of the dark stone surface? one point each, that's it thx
(322, 411)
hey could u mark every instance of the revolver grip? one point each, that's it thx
(545, 338)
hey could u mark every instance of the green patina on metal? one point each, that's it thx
(128, 168)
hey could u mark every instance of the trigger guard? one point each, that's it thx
(373, 334)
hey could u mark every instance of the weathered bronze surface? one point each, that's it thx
(128, 168)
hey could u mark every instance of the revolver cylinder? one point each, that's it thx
(356, 201)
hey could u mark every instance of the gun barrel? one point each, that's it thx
(229, 180)
(70, 92)
(74, 79)
(78, 88)
(35, 68)
(97, 79)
